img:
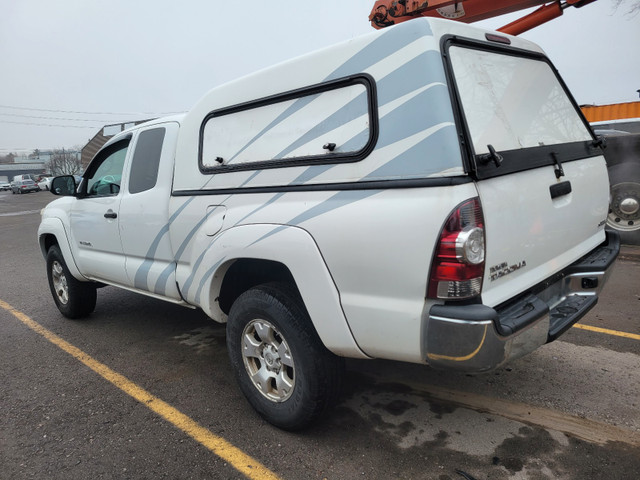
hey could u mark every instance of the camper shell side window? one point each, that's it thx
(332, 122)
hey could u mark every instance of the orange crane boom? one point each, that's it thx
(390, 12)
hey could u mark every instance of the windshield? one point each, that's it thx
(513, 102)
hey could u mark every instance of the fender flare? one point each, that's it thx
(55, 227)
(294, 247)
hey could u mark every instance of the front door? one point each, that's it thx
(94, 217)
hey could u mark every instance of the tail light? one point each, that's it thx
(458, 266)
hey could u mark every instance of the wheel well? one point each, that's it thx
(47, 242)
(246, 273)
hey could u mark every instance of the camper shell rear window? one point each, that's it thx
(513, 101)
(331, 122)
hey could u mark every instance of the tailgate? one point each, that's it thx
(540, 174)
(530, 235)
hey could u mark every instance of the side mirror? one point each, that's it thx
(64, 186)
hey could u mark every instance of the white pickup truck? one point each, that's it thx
(427, 193)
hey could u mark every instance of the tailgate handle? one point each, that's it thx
(557, 167)
(560, 189)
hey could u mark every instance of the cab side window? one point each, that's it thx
(146, 160)
(106, 177)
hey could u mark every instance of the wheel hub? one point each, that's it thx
(271, 358)
(629, 206)
(60, 282)
(268, 360)
(624, 211)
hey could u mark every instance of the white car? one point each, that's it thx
(45, 183)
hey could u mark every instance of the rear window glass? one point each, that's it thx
(513, 102)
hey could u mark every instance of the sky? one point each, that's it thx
(68, 67)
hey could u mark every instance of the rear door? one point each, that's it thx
(542, 181)
(144, 212)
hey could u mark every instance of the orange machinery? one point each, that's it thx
(390, 12)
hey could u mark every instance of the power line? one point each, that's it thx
(55, 118)
(50, 125)
(85, 113)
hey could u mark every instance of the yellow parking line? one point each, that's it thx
(607, 331)
(242, 462)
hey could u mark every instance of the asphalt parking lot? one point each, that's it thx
(143, 389)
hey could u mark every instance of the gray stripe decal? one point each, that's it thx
(293, 108)
(340, 199)
(161, 284)
(141, 277)
(194, 230)
(425, 110)
(305, 176)
(410, 77)
(414, 163)
(405, 79)
(308, 174)
(206, 276)
(169, 269)
(345, 114)
(385, 45)
(189, 237)
(196, 266)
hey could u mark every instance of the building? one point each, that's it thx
(100, 138)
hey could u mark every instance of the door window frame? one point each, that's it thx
(98, 160)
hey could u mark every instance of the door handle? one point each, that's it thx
(560, 189)
(110, 214)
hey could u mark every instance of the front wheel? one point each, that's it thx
(283, 369)
(73, 298)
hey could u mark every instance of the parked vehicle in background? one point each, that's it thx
(26, 176)
(5, 187)
(45, 183)
(24, 186)
(622, 154)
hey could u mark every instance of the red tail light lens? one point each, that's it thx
(458, 265)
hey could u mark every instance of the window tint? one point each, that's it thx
(106, 178)
(146, 160)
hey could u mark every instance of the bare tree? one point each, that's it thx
(8, 158)
(634, 8)
(64, 162)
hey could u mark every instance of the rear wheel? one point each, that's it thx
(73, 298)
(280, 363)
(624, 209)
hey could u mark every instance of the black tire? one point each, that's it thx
(290, 351)
(73, 298)
(624, 210)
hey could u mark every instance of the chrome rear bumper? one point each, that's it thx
(478, 338)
